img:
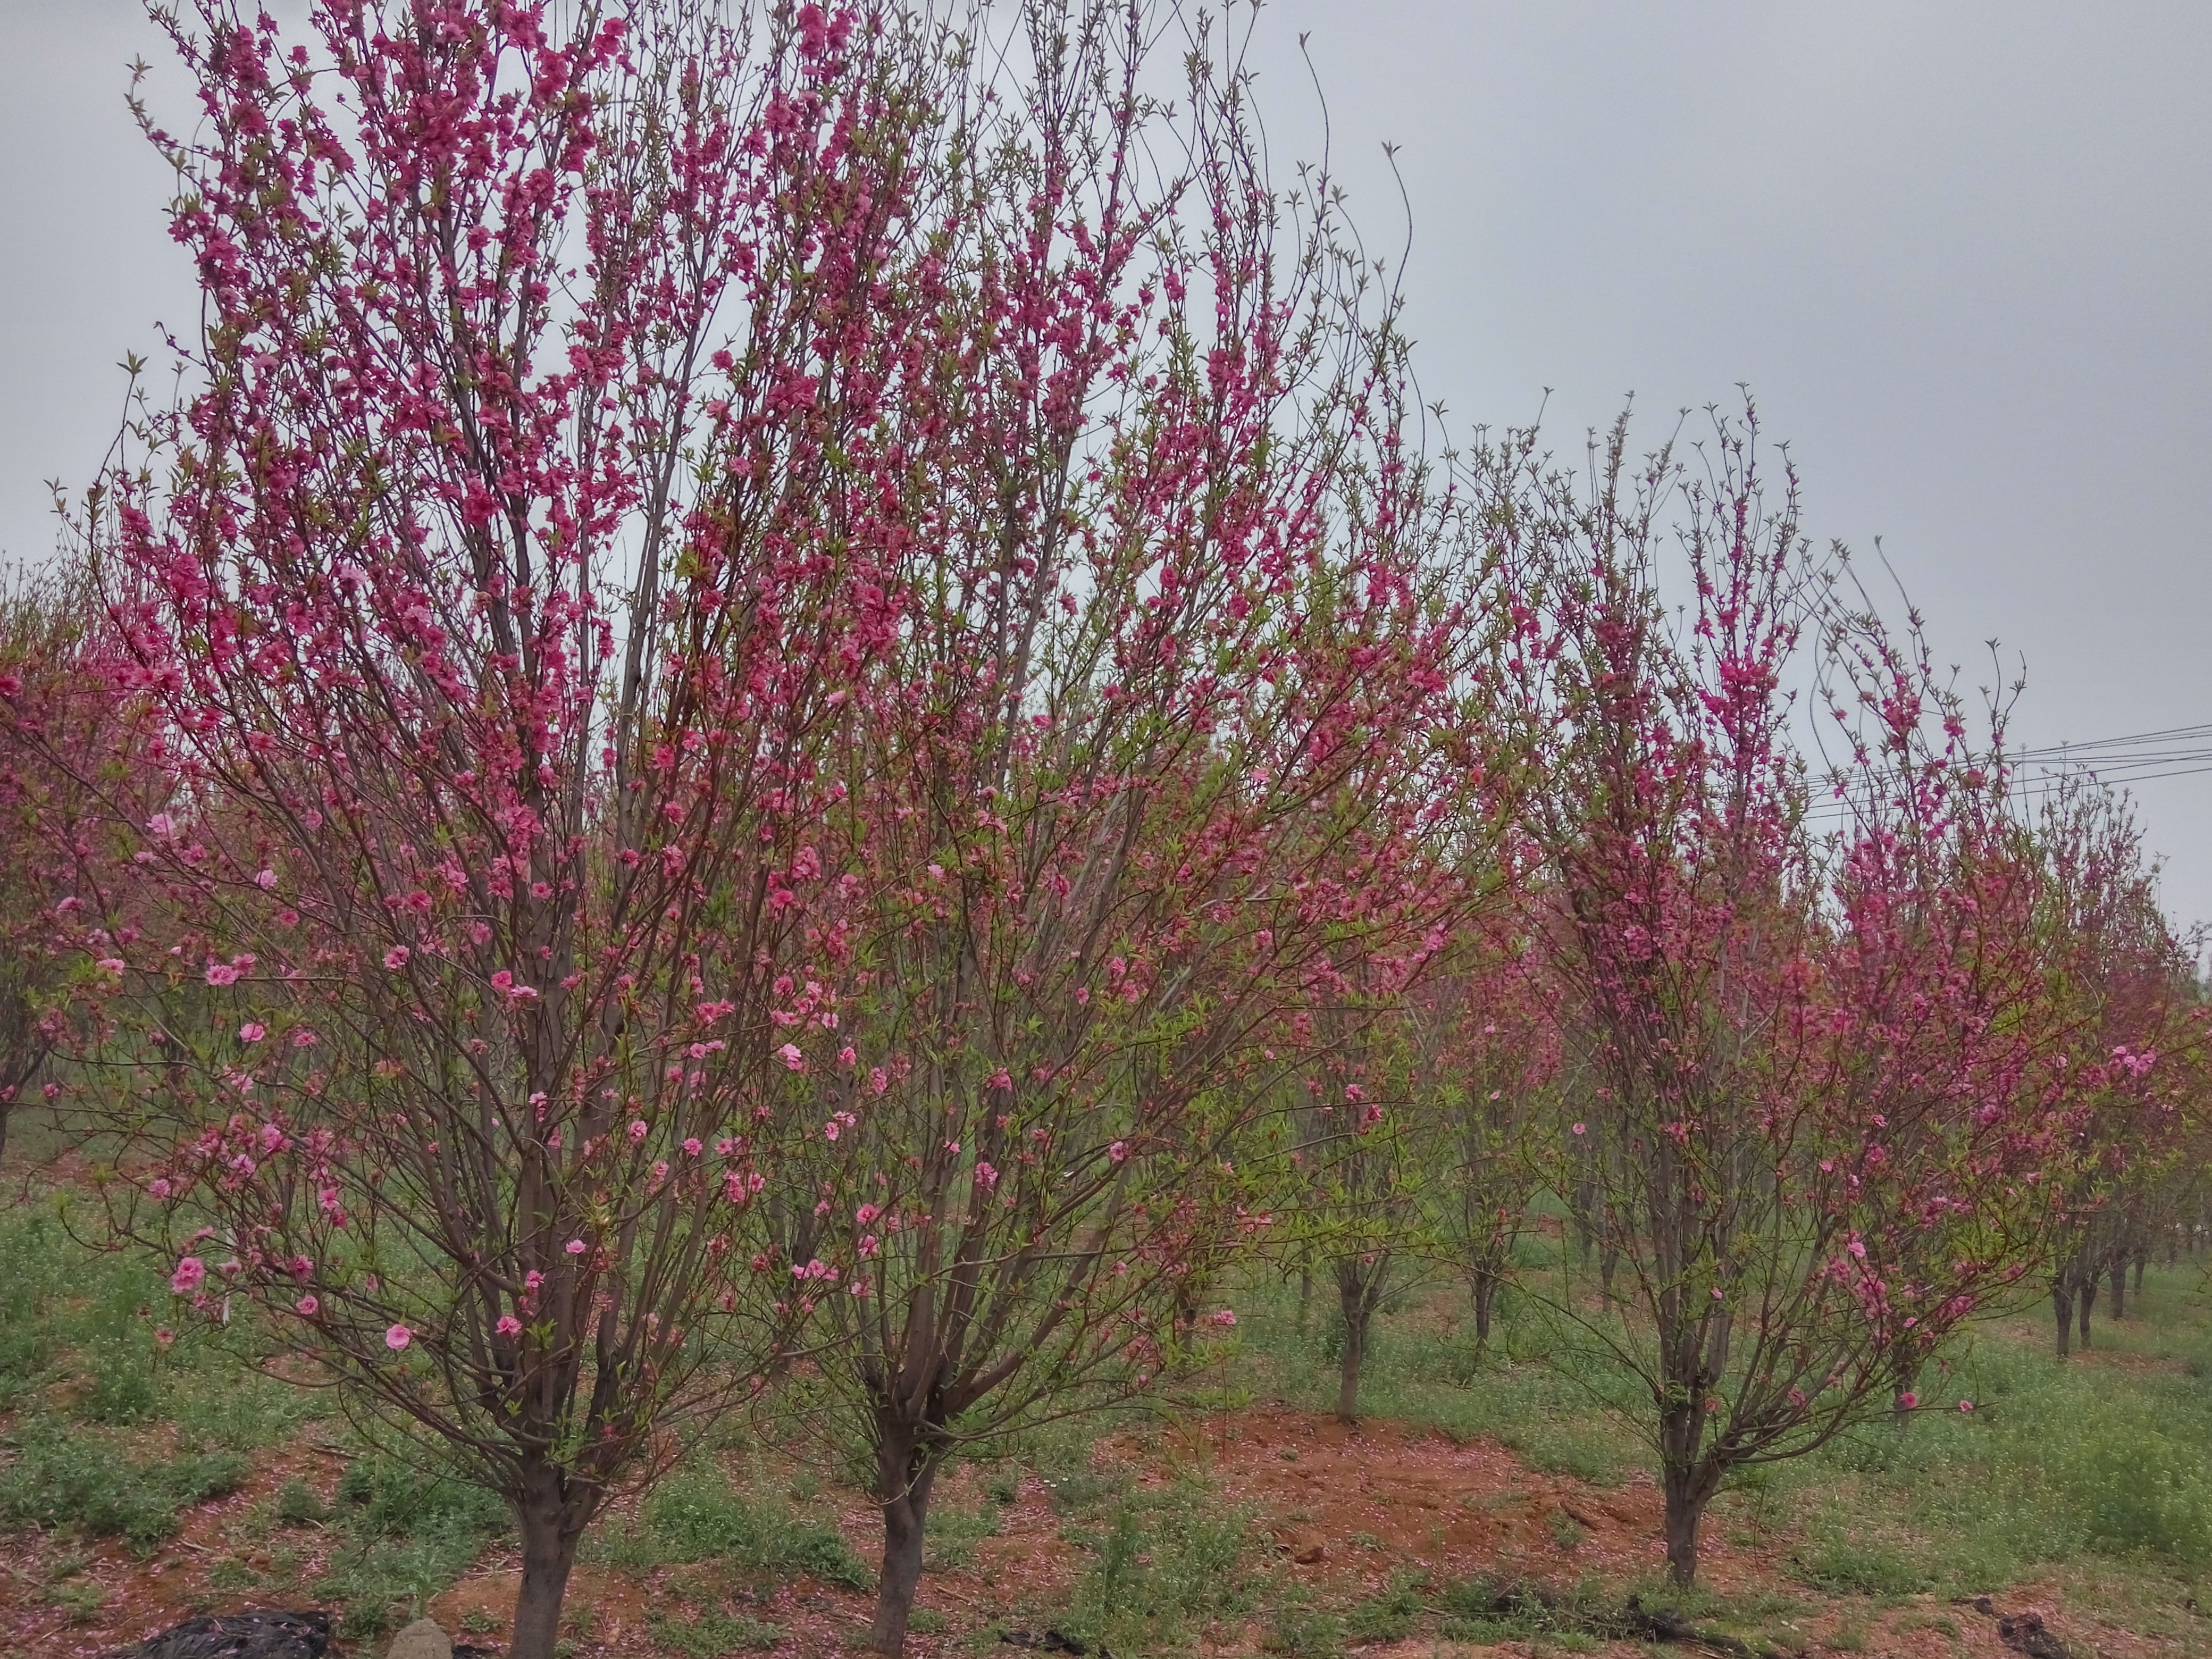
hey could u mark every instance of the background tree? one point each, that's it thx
(2128, 985)
(66, 780)
(1490, 1058)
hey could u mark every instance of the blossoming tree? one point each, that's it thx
(501, 588)
(1820, 1063)
(1175, 607)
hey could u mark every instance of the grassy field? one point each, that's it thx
(1488, 1499)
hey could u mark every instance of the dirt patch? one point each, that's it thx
(1350, 1506)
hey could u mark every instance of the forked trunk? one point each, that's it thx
(549, 1534)
(906, 1468)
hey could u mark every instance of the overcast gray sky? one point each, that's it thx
(1961, 252)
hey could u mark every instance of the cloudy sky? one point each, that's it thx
(1961, 252)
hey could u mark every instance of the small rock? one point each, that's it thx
(421, 1640)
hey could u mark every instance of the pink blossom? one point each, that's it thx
(637, 1130)
(791, 1057)
(252, 1031)
(866, 1213)
(576, 1247)
(309, 1306)
(1908, 1401)
(110, 965)
(265, 880)
(222, 972)
(398, 1338)
(159, 1187)
(692, 1146)
(395, 958)
(509, 1325)
(190, 1272)
(1119, 1152)
(1581, 1127)
(1966, 1404)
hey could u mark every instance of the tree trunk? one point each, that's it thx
(2062, 1305)
(1356, 1314)
(1485, 1296)
(1687, 1494)
(549, 1534)
(2143, 1261)
(906, 1468)
(2087, 1300)
(2120, 1288)
(1305, 1297)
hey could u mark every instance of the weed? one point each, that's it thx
(951, 1535)
(1848, 1567)
(61, 1478)
(713, 1634)
(1567, 1532)
(1303, 1632)
(1081, 1489)
(410, 1532)
(296, 1503)
(697, 1514)
(82, 1603)
(1390, 1614)
(1169, 1558)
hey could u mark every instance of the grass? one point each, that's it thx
(698, 1515)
